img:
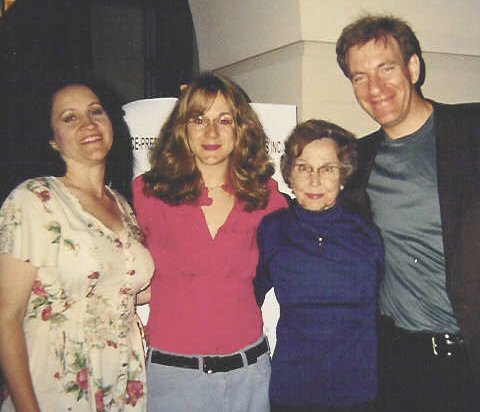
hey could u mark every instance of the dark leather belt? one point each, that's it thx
(211, 364)
(438, 344)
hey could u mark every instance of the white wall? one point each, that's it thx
(443, 26)
(274, 77)
(229, 31)
(283, 51)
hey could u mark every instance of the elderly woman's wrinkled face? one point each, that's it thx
(315, 176)
(82, 131)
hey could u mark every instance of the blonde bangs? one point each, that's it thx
(197, 103)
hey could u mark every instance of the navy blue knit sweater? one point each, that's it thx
(324, 267)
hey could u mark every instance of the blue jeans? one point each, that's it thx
(177, 389)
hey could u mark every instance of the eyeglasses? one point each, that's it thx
(304, 170)
(224, 121)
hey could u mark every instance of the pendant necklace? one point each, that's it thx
(319, 238)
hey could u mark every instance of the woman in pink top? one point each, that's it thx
(199, 206)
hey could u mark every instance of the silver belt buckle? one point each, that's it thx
(448, 342)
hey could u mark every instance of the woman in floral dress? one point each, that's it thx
(72, 265)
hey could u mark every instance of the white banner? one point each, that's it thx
(145, 119)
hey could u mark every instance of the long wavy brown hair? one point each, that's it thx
(174, 176)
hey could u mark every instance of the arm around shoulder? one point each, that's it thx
(143, 297)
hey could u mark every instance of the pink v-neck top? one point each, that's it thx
(202, 293)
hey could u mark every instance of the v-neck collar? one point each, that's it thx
(93, 219)
(205, 200)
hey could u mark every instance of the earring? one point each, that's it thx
(342, 187)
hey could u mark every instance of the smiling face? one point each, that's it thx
(318, 190)
(211, 136)
(384, 85)
(82, 131)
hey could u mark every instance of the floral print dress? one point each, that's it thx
(83, 338)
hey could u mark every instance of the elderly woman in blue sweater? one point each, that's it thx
(323, 261)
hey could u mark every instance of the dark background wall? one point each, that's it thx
(141, 48)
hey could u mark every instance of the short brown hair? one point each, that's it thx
(380, 28)
(174, 176)
(314, 129)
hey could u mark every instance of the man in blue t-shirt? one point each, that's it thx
(420, 176)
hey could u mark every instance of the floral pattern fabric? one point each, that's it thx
(82, 333)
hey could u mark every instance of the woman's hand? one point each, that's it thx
(143, 296)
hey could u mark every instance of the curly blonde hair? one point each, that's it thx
(174, 176)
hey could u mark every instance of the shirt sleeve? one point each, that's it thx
(29, 229)
(262, 282)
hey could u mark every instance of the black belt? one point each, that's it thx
(211, 364)
(437, 344)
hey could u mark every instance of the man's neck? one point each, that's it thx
(419, 112)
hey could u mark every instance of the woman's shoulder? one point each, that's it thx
(273, 220)
(138, 190)
(32, 197)
(363, 226)
(138, 184)
(146, 203)
(359, 220)
(272, 185)
(39, 187)
(277, 199)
